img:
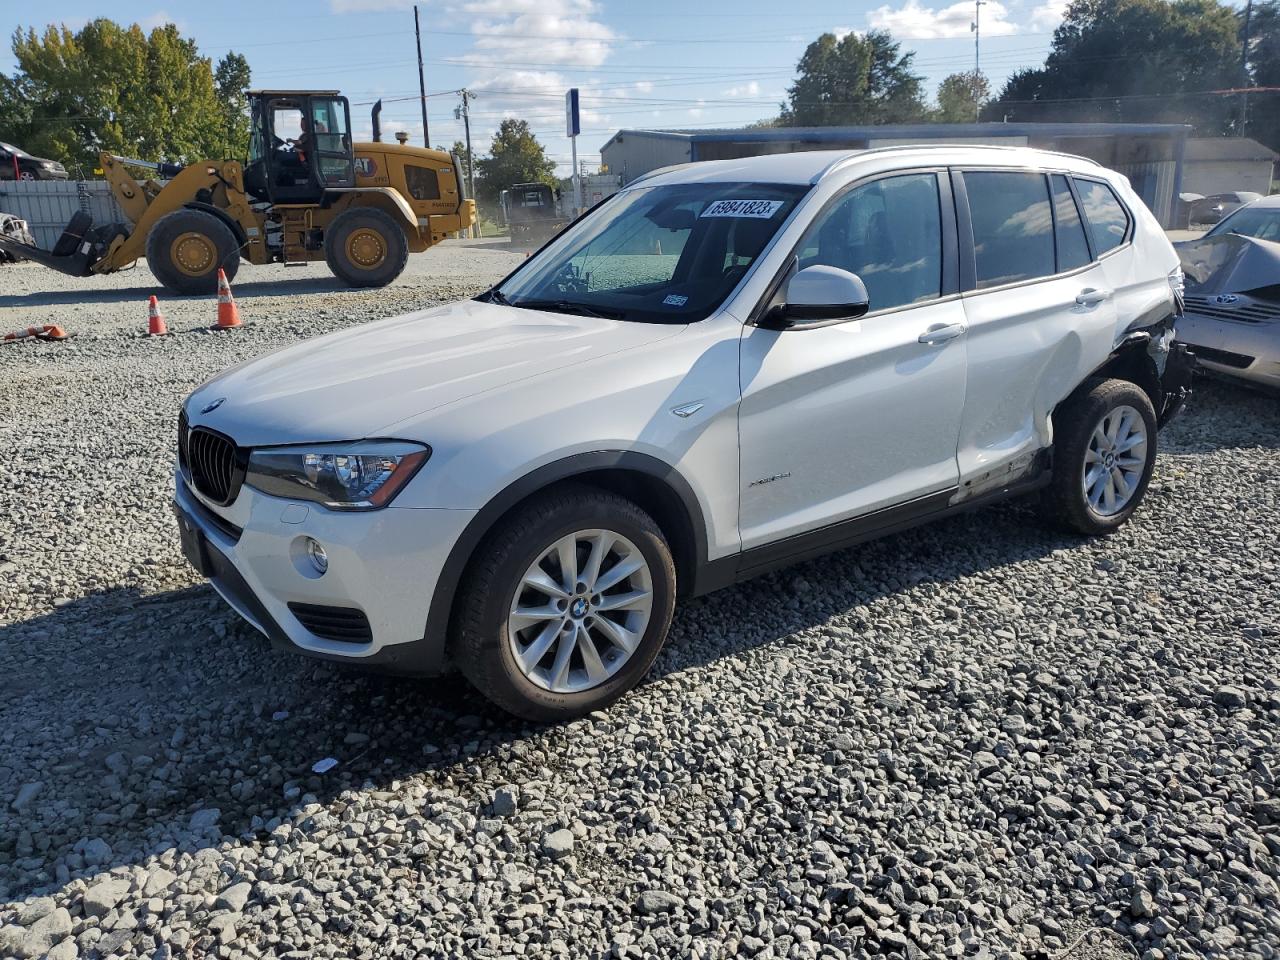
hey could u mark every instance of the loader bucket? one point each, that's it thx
(73, 254)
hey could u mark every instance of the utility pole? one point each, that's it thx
(1244, 68)
(463, 113)
(422, 83)
(977, 63)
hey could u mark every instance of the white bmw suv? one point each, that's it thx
(725, 368)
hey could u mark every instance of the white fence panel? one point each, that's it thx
(47, 205)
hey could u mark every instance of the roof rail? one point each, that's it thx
(853, 155)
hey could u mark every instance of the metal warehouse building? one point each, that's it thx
(1151, 155)
(1225, 164)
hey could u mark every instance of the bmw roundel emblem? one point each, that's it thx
(210, 407)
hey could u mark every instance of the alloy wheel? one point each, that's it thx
(1115, 460)
(580, 611)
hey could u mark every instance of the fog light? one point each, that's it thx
(315, 553)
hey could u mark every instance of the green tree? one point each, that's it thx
(960, 97)
(1263, 117)
(116, 88)
(855, 79)
(515, 156)
(231, 80)
(1132, 61)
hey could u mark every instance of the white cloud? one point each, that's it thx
(565, 34)
(911, 21)
(368, 6)
(558, 31)
(644, 86)
(751, 89)
(159, 19)
(1049, 14)
(696, 112)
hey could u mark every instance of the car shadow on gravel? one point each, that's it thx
(134, 712)
(1224, 415)
(284, 286)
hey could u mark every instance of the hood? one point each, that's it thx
(1229, 263)
(355, 383)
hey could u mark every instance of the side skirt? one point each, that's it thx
(847, 533)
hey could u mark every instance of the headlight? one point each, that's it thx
(361, 476)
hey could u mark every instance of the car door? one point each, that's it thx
(1139, 294)
(844, 420)
(1037, 307)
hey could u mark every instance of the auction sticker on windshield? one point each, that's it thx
(760, 209)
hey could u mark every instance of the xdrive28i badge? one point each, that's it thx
(213, 405)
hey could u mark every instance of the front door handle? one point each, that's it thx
(942, 332)
(1089, 297)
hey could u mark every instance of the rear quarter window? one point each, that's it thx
(1106, 216)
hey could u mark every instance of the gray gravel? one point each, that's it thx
(977, 739)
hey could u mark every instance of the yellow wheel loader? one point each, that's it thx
(307, 193)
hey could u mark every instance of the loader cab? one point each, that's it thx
(299, 145)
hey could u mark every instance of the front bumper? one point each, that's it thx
(384, 563)
(1241, 351)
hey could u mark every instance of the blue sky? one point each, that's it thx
(660, 63)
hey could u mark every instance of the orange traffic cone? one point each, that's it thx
(155, 319)
(47, 332)
(228, 315)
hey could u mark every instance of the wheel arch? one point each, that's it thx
(236, 229)
(1131, 360)
(655, 486)
(387, 200)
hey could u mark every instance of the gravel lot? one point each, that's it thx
(977, 739)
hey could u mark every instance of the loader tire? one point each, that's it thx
(186, 248)
(365, 247)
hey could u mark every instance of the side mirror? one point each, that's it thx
(820, 294)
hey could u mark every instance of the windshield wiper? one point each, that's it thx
(494, 295)
(569, 306)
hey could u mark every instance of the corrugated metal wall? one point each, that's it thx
(47, 205)
(636, 154)
(1153, 182)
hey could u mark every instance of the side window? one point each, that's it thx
(1072, 250)
(888, 232)
(1107, 218)
(1012, 226)
(422, 182)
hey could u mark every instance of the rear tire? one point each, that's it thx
(583, 641)
(1103, 457)
(186, 248)
(365, 247)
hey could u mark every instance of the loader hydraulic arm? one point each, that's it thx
(127, 191)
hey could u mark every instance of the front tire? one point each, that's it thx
(565, 605)
(365, 247)
(1103, 457)
(185, 249)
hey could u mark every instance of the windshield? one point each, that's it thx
(14, 150)
(667, 254)
(1260, 222)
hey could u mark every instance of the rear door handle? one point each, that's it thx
(942, 332)
(1089, 297)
